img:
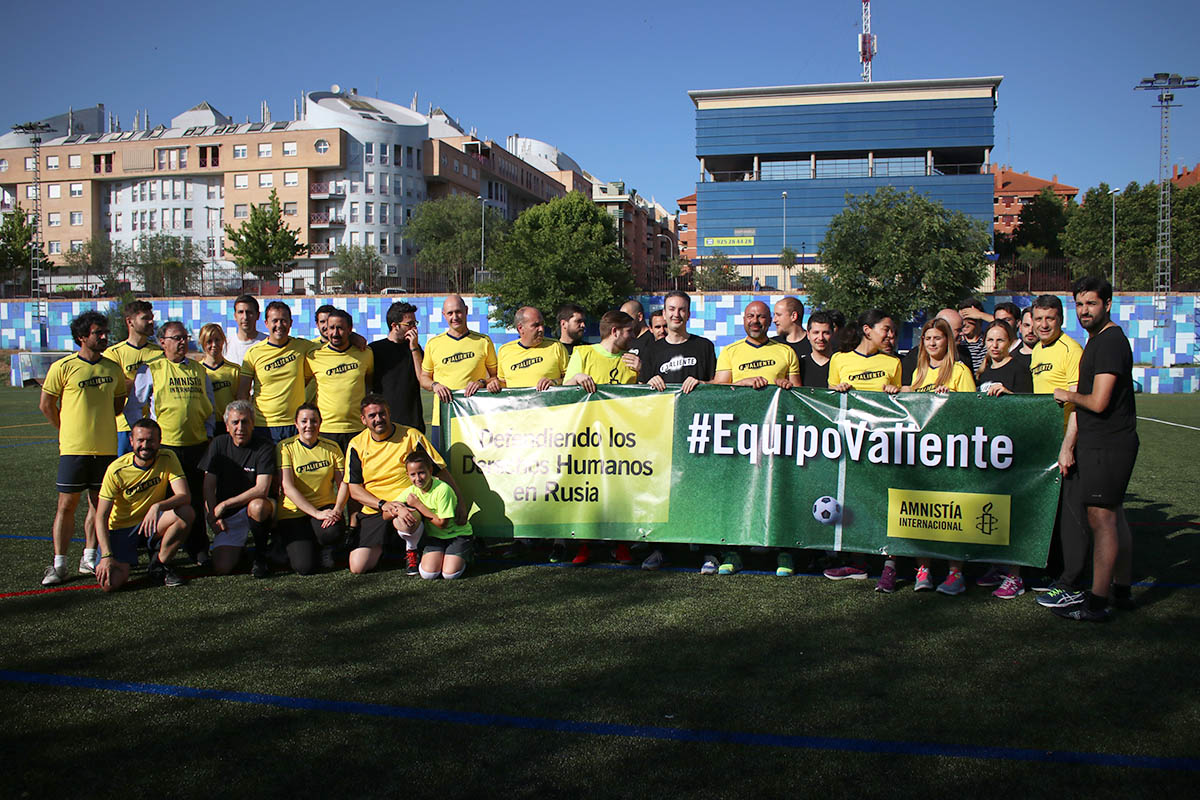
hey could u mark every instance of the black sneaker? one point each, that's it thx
(412, 568)
(171, 578)
(261, 568)
(1123, 603)
(1081, 613)
(1041, 583)
(558, 553)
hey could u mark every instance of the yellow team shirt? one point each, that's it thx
(133, 489)
(379, 466)
(600, 365)
(278, 373)
(130, 359)
(456, 361)
(960, 380)
(341, 378)
(745, 359)
(181, 401)
(86, 392)
(224, 381)
(1056, 367)
(864, 373)
(521, 367)
(314, 469)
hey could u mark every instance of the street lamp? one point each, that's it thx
(784, 220)
(671, 244)
(1113, 194)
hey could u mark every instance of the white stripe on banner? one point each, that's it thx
(841, 490)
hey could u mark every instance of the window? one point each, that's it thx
(354, 212)
(75, 161)
(153, 191)
(383, 243)
(383, 213)
(77, 217)
(370, 183)
(54, 191)
(266, 180)
(355, 187)
(289, 148)
(153, 219)
(214, 217)
(133, 220)
(187, 218)
(354, 238)
(239, 151)
(383, 153)
(289, 209)
(368, 212)
(54, 219)
(187, 190)
(54, 248)
(370, 238)
(408, 157)
(456, 166)
(264, 150)
(76, 190)
(241, 211)
(385, 180)
(291, 179)
(3, 165)
(76, 245)
(51, 162)
(30, 192)
(418, 158)
(117, 222)
(142, 215)
(30, 164)
(177, 218)
(321, 146)
(368, 152)
(241, 181)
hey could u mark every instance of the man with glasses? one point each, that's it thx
(398, 366)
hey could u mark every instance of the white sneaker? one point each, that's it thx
(53, 576)
(86, 567)
(653, 561)
(327, 557)
(710, 566)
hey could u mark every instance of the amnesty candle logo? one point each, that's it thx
(965, 517)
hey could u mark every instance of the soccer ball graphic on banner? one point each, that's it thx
(827, 510)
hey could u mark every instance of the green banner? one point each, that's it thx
(961, 476)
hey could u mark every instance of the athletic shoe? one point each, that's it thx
(710, 566)
(558, 553)
(171, 578)
(1042, 583)
(86, 567)
(621, 554)
(260, 569)
(924, 583)
(412, 567)
(1060, 597)
(731, 562)
(582, 556)
(954, 584)
(887, 580)
(995, 576)
(1081, 613)
(327, 557)
(654, 561)
(1012, 587)
(849, 571)
(784, 567)
(54, 576)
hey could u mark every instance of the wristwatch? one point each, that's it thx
(379, 505)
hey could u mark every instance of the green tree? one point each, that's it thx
(1042, 222)
(16, 234)
(899, 251)
(787, 261)
(563, 251)
(357, 263)
(717, 273)
(675, 268)
(166, 264)
(446, 235)
(93, 262)
(264, 244)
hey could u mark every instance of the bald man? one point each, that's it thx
(908, 364)
(531, 361)
(457, 359)
(642, 336)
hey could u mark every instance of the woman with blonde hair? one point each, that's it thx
(223, 374)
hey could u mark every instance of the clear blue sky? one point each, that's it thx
(608, 83)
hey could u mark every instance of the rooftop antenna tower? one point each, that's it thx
(1164, 84)
(866, 42)
(35, 130)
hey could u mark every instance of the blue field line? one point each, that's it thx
(26, 444)
(696, 736)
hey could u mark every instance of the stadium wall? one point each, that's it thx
(1171, 351)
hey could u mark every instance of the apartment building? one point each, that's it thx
(646, 233)
(1013, 190)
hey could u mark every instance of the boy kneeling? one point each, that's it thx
(447, 543)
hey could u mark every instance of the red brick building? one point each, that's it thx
(1186, 178)
(1015, 189)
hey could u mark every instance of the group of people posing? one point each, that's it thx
(310, 448)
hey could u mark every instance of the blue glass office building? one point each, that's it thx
(818, 142)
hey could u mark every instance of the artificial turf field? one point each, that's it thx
(527, 680)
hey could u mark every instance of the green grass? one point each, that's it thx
(749, 654)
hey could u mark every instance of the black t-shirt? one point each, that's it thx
(1108, 352)
(802, 347)
(641, 343)
(570, 345)
(1014, 376)
(908, 364)
(396, 379)
(695, 358)
(236, 467)
(813, 374)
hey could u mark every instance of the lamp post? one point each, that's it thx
(671, 244)
(784, 195)
(1113, 194)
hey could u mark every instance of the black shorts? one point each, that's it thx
(189, 456)
(308, 529)
(1104, 473)
(458, 546)
(76, 473)
(373, 531)
(341, 439)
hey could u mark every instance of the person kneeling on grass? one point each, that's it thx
(447, 543)
(134, 503)
(314, 498)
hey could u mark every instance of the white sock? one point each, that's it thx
(60, 562)
(89, 555)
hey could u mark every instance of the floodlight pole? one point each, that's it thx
(1113, 195)
(35, 130)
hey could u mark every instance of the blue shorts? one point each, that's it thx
(274, 433)
(124, 445)
(124, 544)
(76, 473)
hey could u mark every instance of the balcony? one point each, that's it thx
(326, 190)
(318, 250)
(324, 219)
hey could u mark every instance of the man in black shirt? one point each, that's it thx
(814, 367)
(642, 336)
(1106, 446)
(572, 321)
(398, 365)
(238, 472)
(789, 326)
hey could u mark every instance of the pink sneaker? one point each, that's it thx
(993, 577)
(1012, 587)
(887, 580)
(847, 572)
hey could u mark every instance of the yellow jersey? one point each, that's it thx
(130, 359)
(600, 365)
(379, 466)
(133, 489)
(1056, 366)
(960, 380)
(87, 391)
(314, 469)
(455, 361)
(771, 360)
(278, 372)
(180, 396)
(522, 367)
(864, 373)
(341, 378)
(224, 381)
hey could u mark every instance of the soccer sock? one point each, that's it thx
(1122, 591)
(1095, 602)
(89, 555)
(260, 531)
(60, 562)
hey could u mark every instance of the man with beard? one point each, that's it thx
(136, 350)
(531, 361)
